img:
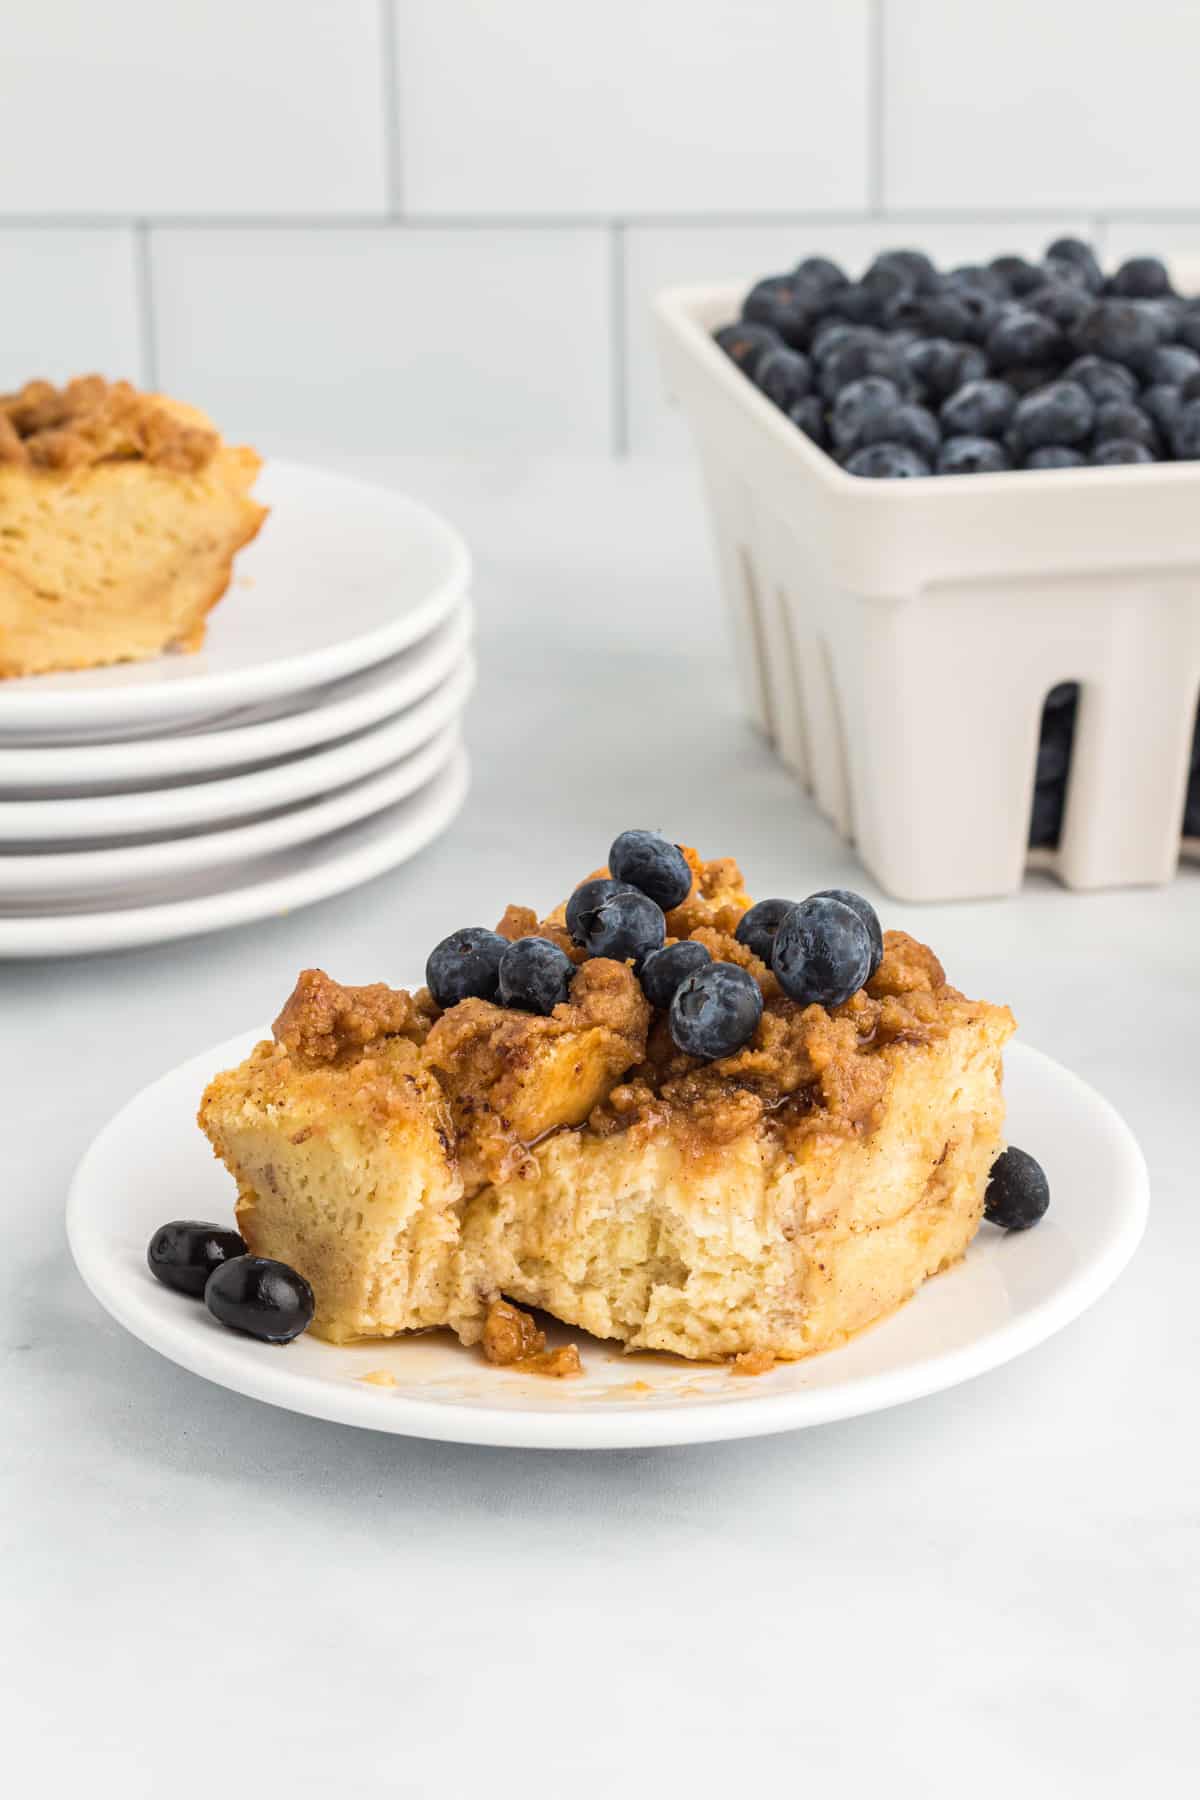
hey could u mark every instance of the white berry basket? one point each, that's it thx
(897, 639)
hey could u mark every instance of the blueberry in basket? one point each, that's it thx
(912, 371)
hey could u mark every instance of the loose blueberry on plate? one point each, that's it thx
(822, 952)
(1017, 1193)
(625, 926)
(651, 863)
(972, 456)
(261, 1297)
(715, 1011)
(664, 969)
(858, 903)
(465, 965)
(757, 926)
(888, 462)
(978, 409)
(535, 976)
(183, 1254)
(587, 897)
(746, 344)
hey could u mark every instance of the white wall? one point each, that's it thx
(409, 224)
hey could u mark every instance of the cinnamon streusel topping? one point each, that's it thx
(90, 420)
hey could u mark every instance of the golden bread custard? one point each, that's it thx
(120, 515)
(424, 1165)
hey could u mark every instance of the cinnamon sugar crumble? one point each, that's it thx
(511, 1340)
(752, 1362)
(90, 420)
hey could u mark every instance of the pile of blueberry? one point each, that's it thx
(1005, 365)
(822, 950)
(252, 1294)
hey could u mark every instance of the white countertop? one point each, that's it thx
(995, 1586)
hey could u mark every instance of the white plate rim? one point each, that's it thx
(101, 874)
(212, 691)
(331, 871)
(211, 1355)
(176, 808)
(320, 720)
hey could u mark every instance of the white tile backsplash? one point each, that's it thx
(633, 106)
(191, 106)
(391, 338)
(665, 256)
(69, 304)
(1075, 104)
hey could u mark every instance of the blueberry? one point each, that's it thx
(183, 1254)
(784, 376)
(855, 358)
(1019, 276)
(912, 425)
(1141, 278)
(757, 927)
(1026, 378)
(464, 965)
(1059, 271)
(822, 952)
(587, 896)
(859, 304)
(1022, 336)
(892, 290)
(746, 344)
(664, 969)
(858, 903)
(1061, 413)
(973, 365)
(1121, 419)
(969, 278)
(980, 409)
(973, 456)
(1185, 438)
(831, 332)
(1119, 330)
(1164, 404)
(1103, 380)
(625, 926)
(653, 865)
(1187, 330)
(1061, 302)
(535, 976)
(1054, 456)
(820, 274)
(942, 315)
(784, 305)
(1074, 250)
(809, 415)
(858, 402)
(1045, 825)
(888, 462)
(914, 265)
(983, 311)
(1122, 450)
(936, 365)
(1172, 365)
(1017, 1191)
(263, 1298)
(715, 1011)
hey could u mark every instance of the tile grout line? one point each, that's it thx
(618, 338)
(143, 275)
(393, 162)
(680, 221)
(875, 108)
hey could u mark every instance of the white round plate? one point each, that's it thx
(65, 881)
(341, 575)
(151, 1163)
(200, 803)
(247, 740)
(270, 885)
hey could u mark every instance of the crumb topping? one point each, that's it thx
(90, 420)
(511, 1340)
(322, 1020)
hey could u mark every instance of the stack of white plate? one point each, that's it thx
(312, 744)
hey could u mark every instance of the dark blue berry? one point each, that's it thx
(910, 424)
(535, 976)
(936, 365)
(183, 1254)
(465, 965)
(664, 969)
(1074, 250)
(979, 409)
(652, 864)
(1045, 825)
(1172, 365)
(260, 1297)
(859, 304)
(942, 315)
(809, 415)
(1141, 278)
(1020, 336)
(1054, 456)
(1164, 405)
(1119, 330)
(1017, 1192)
(1185, 438)
(820, 274)
(857, 403)
(1062, 302)
(1103, 380)
(1026, 378)
(855, 358)
(822, 952)
(858, 903)
(1187, 330)
(973, 456)
(1019, 276)
(587, 897)
(715, 1011)
(785, 305)
(625, 926)
(1121, 419)
(1061, 413)
(831, 332)
(977, 278)
(1122, 450)
(888, 462)
(784, 376)
(1059, 271)
(757, 927)
(914, 265)
(891, 287)
(746, 344)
